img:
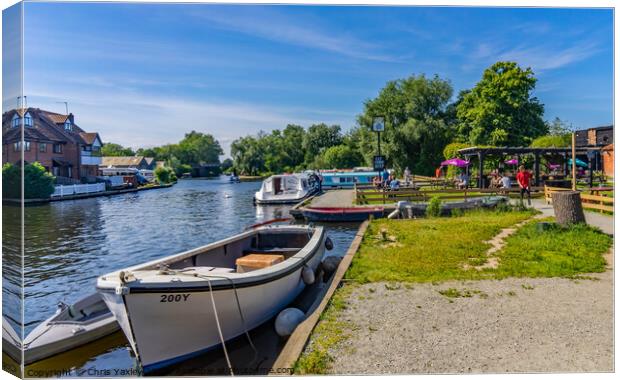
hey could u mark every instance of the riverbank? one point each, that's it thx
(38, 201)
(421, 297)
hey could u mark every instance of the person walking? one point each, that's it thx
(523, 179)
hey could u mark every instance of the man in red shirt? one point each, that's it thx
(523, 179)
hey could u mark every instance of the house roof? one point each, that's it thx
(121, 161)
(45, 128)
(149, 160)
(90, 137)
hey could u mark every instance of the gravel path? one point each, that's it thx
(512, 325)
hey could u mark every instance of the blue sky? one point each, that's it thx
(144, 74)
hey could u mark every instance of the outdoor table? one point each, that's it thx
(599, 190)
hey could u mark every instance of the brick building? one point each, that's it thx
(52, 139)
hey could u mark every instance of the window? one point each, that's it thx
(57, 148)
(42, 147)
(17, 146)
(28, 120)
(68, 126)
(15, 121)
(27, 146)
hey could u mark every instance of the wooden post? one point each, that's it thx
(537, 169)
(480, 170)
(574, 162)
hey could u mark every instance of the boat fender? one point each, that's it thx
(330, 264)
(329, 244)
(288, 320)
(307, 274)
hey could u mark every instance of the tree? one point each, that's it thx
(38, 183)
(500, 110)
(558, 127)
(197, 148)
(552, 141)
(340, 156)
(226, 164)
(248, 155)
(417, 123)
(165, 175)
(318, 138)
(111, 149)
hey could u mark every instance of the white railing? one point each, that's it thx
(87, 159)
(63, 191)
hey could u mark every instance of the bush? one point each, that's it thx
(38, 183)
(181, 169)
(165, 175)
(434, 207)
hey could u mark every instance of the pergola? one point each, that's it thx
(566, 153)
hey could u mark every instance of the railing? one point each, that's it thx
(87, 159)
(60, 180)
(588, 201)
(63, 191)
(368, 194)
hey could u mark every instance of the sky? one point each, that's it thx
(145, 74)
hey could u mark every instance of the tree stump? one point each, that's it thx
(567, 207)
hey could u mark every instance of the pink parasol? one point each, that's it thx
(458, 162)
(514, 161)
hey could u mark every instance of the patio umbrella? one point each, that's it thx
(554, 166)
(514, 161)
(578, 162)
(458, 162)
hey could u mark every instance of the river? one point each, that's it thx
(69, 243)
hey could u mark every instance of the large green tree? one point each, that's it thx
(318, 138)
(418, 121)
(500, 110)
(112, 149)
(339, 157)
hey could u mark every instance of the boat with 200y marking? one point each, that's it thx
(179, 306)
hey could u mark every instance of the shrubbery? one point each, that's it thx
(38, 183)
(434, 207)
(165, 175)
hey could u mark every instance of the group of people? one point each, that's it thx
(386, 181)
(503, 181)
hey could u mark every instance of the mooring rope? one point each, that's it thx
(219, 329)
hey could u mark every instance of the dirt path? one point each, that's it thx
(513, 325)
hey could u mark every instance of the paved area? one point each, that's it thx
(335, 198)
(513, 325)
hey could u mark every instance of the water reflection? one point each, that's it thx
(68, 244)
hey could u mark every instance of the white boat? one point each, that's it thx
(11, 342)
(72, 326)
(286, 188)
(182, 305)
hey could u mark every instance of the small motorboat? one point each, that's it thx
(11, 342)
(234, 179)
(286, 188)
(182, 305)
(72, 326)
(341, 214)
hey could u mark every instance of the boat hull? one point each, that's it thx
(167, 325)
(341, 214)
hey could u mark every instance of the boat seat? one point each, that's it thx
(205, 271)
(256, 261)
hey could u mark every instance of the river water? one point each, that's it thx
(69, 244)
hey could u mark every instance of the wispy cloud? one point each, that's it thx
(144, 119)
(269, 25)
(548, 57)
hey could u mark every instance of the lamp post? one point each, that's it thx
(378, 125)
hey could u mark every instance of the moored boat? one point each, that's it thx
(72, 326)
(286, 188)
(346, 179)
(11, 342)
(341, 214)
(179, 306)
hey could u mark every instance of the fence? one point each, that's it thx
(63, 191)
(369, 194)
(588, 201)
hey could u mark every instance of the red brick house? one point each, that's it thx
(52, 139)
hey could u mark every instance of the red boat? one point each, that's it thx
(341, 214)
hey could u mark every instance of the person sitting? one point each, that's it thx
(394, 185)
(463, 181)
(376, 182)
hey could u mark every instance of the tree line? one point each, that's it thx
(423, 125)
(421, 121)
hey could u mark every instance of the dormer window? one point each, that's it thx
(28, 120)
(15, 121)
(68, 125)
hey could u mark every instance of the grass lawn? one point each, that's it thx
(436, 249)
